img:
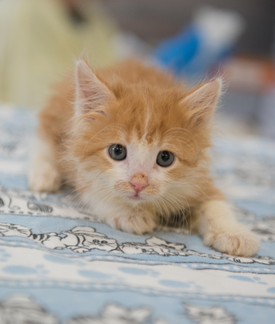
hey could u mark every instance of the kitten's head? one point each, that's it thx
(141, 142)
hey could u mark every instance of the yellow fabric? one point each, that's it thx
(39, 43)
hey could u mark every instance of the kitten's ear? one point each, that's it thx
(91, 93)
(202, 102)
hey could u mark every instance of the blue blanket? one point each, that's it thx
(59, 265)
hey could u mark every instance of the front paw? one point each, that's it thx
(239, 242)
(133, 223)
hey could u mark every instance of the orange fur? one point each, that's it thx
(146, 111)
(137, 87)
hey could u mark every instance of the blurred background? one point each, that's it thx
(195, 40)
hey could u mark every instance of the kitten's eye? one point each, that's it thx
(165, 158)
(117, 152)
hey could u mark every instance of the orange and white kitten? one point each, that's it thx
(133, 142)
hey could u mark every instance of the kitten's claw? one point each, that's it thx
(44, 178)
(240, 242)
(134, 223)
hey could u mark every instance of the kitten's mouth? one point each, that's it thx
(136, 197)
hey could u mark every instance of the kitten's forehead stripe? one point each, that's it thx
(146, 125)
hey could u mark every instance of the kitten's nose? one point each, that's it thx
(139, 182)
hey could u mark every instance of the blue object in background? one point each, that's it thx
(176, 52)
(208, 40)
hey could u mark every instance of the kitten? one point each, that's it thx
(133, 142)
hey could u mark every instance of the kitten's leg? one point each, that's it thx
(43, 172)
(215, 222)
(132, 222)
(117, 214)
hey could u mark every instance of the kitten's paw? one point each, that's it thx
(134, 223)
(240, 242)
(44, 178)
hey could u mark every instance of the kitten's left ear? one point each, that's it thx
(201, 103)
(91, 93)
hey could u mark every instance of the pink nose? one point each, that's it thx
(139, 182)
(138, 187)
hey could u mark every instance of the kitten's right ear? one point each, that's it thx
(201, 103)
(91, 93)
